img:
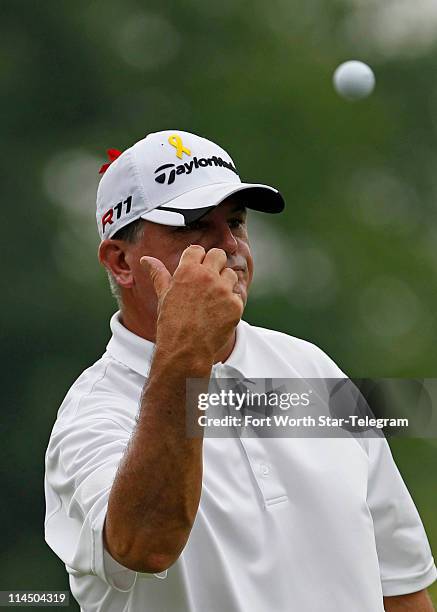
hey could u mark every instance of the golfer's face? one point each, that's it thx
(223, 228)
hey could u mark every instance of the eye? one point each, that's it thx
(236, 223)
(195, 225)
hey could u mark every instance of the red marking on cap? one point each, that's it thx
(107, 218)
(112, 154)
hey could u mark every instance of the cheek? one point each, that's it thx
(171, 262)
(250, 268)
(169, 255)
(247, 254)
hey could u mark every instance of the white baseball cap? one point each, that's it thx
(172, 178)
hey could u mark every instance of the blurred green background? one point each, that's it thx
(351, 265)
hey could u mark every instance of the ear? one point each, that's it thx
(112, 255)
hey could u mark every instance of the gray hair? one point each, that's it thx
(131, 233)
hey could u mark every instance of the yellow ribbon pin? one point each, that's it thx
(176, 141)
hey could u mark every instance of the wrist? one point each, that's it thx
(184, 360)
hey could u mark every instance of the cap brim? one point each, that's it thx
(193, 204)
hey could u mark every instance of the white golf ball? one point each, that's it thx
(354, 80)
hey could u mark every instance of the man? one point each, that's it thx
(145, 517)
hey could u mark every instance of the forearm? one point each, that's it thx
(156, 492)
(412, 602)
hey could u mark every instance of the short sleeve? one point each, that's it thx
(81, 463)
(405, 559)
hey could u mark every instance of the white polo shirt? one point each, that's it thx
(283, 524)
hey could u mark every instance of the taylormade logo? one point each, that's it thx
(168, 172)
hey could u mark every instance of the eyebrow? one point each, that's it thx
(238, 207)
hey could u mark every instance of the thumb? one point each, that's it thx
(158, 273)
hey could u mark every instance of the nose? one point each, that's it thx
(225, 239)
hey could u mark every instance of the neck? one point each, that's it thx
(147, 329)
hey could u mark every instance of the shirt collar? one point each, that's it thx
(136, 353)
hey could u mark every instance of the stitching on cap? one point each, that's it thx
(138, 176)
